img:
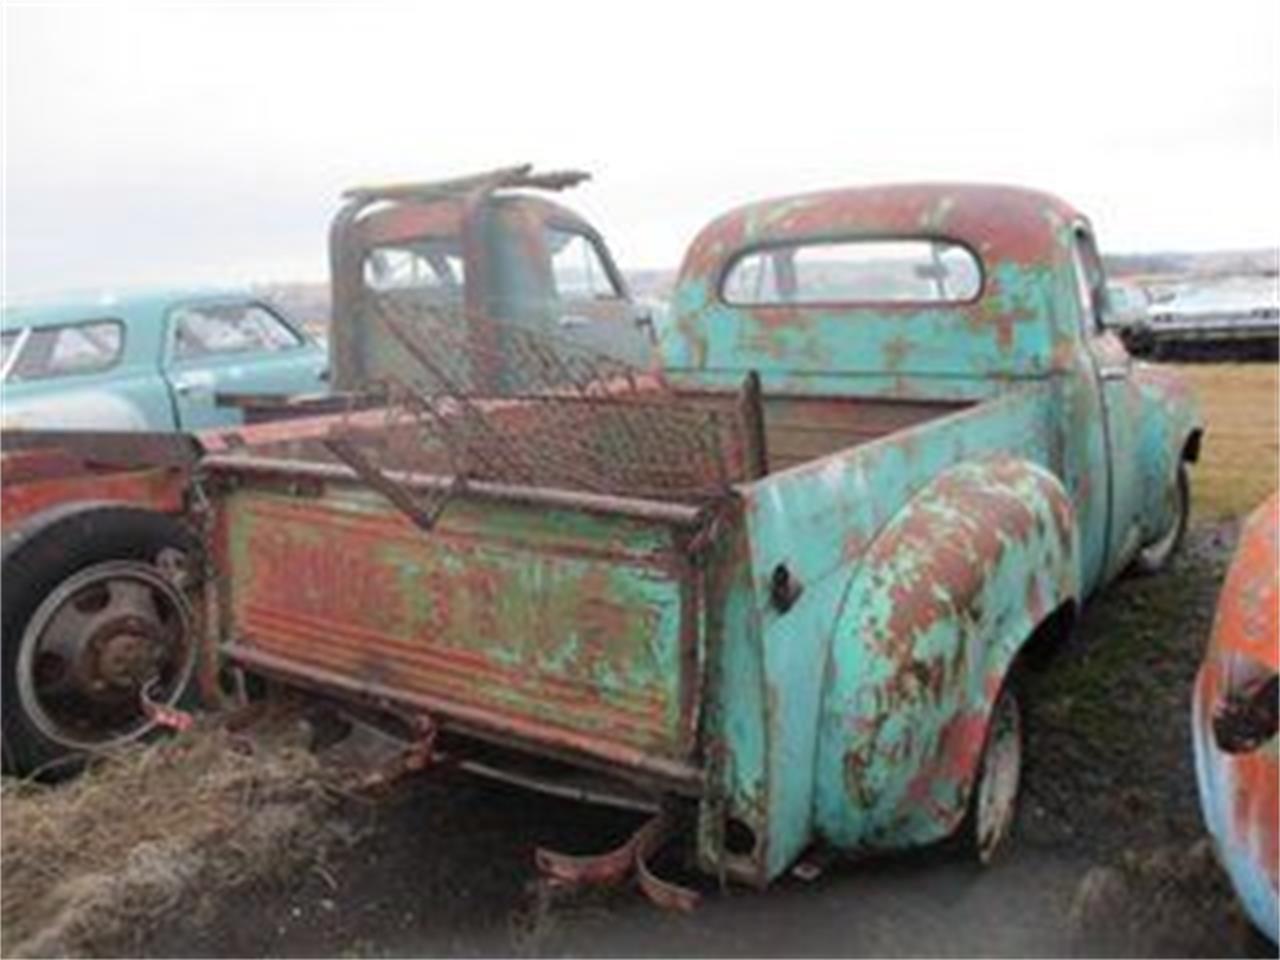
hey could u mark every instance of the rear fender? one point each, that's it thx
(34, 525)
(1170, 427)
(944, 599)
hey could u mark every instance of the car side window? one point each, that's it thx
(208, 330)
(74, 349)
(1091, 284)
(8, 344)
(578, 267)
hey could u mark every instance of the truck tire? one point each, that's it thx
(1155, 556)
(993, 799)
(96, 605)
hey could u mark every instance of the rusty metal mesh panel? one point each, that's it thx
(507, 404)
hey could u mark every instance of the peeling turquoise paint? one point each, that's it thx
(927, 558)
(917, 561)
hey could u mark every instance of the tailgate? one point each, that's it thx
(550, 625)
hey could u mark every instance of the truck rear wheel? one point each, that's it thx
(97, 607)
(993, 800)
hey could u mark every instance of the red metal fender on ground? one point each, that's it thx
(613, 866)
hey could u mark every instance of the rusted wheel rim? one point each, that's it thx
(1001, 773)
(91, 646)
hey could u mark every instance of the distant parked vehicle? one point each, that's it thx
(1127, 304)
(1235, 717)
(153, 362)
(1233, 319)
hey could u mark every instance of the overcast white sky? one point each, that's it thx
(174, 144)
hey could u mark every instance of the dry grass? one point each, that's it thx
(91, 864)
(1241, 454)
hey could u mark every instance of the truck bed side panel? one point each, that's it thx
(816, 520)
(559, 626)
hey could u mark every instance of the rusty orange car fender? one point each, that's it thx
(1234, 720)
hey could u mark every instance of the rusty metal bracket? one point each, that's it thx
(162, 715)
(613, 866)
(520, 176)
(713, 520)
(750, 404)
(374, 759)
(423, 509)
(572, 870)
(653, 836)
(362, 759)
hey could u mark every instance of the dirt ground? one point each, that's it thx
(1108, 858)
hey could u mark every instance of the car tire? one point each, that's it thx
(1157, 555)
(146, 566)
(993, 796)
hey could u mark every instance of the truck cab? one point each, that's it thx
(485, 254)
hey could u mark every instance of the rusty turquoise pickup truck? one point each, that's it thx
(780, 586)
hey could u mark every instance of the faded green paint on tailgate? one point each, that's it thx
(557, 618)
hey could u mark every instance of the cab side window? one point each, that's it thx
(208, 330)
(577, 267)
(1091, 286)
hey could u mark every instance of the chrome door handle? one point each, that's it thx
(1113, 373)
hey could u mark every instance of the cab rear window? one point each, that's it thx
(855, 272)
(71, 350)
(431, 264)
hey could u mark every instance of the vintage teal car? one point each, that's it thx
(157, 361)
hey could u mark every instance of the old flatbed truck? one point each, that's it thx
(784, 582)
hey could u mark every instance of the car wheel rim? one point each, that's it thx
(93, 644)
(1001, 771)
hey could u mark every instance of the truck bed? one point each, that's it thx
(562, 620)
(799, 429)
(794, 429)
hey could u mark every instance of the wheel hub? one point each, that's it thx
(125, 660)
(114, 653)
(92, 646)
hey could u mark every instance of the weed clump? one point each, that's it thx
(92, 863)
